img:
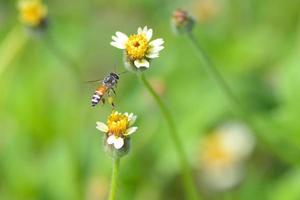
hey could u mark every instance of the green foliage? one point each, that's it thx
(50, 148)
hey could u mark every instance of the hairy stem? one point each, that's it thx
(189, 183)
(114, 179)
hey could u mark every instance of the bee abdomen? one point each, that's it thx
(96, 99)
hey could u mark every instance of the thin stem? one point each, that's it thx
(114, 179)
(11, 45)
(189, 183)
(60, 54)
(215, 75)
(259, 128)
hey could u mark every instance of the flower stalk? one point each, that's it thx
(188, 181)
(258, 127)
(114, 179)
(215, 75)
(59, 53)
(11, 46)
(33, 14)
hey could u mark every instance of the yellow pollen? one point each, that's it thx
(32, 12)
(137, 46)
(117, 124)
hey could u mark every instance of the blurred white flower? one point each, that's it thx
(139, 48)
(223, 153)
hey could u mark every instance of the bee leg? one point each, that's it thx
(111, 101)
(113, 91)
(103, 101)
(113, 105)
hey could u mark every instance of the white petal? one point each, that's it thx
(132, 120)
(140, 30)
(152, 55)
(119, 40)
(114, 38)
(119, 142)
(129, 115)
(155, 49)
(149, 34)
(111, 139)
(131, 130)
(118, 45)
(145, 29)
(157, 42)
(141, 63)
(102, 127)
(122, 36)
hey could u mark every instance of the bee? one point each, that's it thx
(108, 85)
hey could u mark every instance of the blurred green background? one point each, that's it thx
(50, 149)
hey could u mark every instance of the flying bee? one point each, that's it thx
(108, 85)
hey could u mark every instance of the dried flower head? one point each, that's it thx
(118, 128)
(32, 12)
(181, 21)
(138, 48)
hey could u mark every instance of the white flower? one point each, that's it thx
(138, 47)
(223, 154)
(237, 139)
(118, 127)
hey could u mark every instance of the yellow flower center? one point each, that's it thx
(137, 46)
(32, 12)
(117, 124)
(214, 153)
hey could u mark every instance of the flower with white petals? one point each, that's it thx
(139, 49)
(118, 128)
(223, 155)
(32, 12)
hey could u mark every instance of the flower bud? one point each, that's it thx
(182, 22)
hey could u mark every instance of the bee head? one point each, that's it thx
(116, 76)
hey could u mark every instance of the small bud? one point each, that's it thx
(182, 22)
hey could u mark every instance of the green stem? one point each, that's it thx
(114, 179)
(259, 128)
(215, 75)
(10, 47)
(189, 183)
(60, 54)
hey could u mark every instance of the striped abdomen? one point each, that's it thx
(98, 95)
